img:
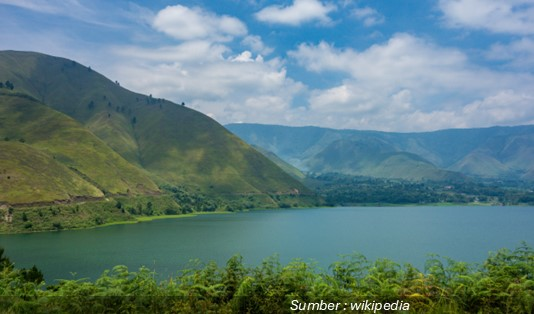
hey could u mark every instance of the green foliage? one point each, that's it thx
(338, 189)
(87, 214)
(504, 283)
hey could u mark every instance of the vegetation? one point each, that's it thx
(504, 283)
(337, 189)
(58, 159)
(87, 214)
(172, 202)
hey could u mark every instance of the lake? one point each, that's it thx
(402, 234)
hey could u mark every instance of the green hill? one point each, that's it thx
(145, 141)
(372, 157)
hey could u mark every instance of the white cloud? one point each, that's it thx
(186, 23)
(519, 54)
(67, 7)
(301, 11)
(255, 43)
(404, 60)
(246, 56)
(504, 107)
(189, 51)
(408, 83)
(510, 16)
(240, 87)
(368, 16)
(344, 99)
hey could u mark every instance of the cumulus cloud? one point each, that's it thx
(511, 16)
(368, 16)
(240, 87)
(404, 60)
(518, 54)
(257, 45)
(186, 23)
(409, 83)
(504, 107)
(301, 11)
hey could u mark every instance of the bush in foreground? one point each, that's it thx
(504, 283)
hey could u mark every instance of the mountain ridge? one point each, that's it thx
(499, 152)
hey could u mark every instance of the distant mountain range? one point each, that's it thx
(493, 153)
(67, 133)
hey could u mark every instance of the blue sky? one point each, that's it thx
(393, 65)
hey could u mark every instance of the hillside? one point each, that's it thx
(496, 153)
(145, 141)
(48, 156)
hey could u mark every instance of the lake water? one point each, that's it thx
(403, 234)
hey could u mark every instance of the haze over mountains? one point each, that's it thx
(495, 153)
(68, 132)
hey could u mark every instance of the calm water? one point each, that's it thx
(403, 234)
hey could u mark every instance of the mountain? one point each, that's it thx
(496, 152)
(99, 138)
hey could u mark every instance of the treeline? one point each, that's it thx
(175, 200)
(8, 84)
(338, 189)
(504, 283)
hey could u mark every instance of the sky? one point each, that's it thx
(390, 65)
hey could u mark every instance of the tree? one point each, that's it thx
(4, 260)
(9, 85)
(32, 275)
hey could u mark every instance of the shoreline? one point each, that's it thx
(142, 219)
(151, 218)
(125, 222)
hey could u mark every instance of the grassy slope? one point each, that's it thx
(199, 152)
(173, 143)
(61, 149)
(28, 175)
(368, 156)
